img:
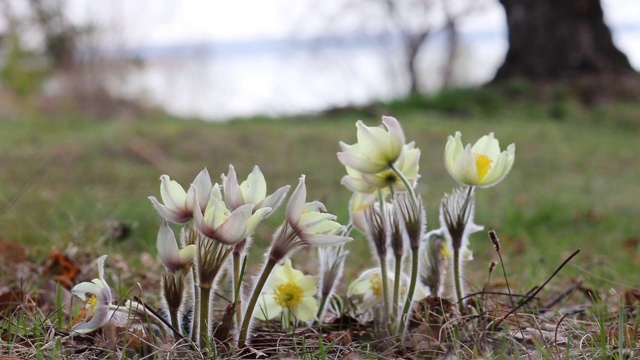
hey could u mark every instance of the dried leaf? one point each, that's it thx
(61, 269)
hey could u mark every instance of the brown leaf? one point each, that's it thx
(61, 269)
(10, 299)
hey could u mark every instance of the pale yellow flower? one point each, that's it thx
(97, 297)
(251, 191)
(377, 148)
(179, 204)
(480, 165)
(288, 289)
(366, 292)
(173, 258)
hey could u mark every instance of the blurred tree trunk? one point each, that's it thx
(556, 39)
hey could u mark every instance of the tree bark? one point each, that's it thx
(559, 39)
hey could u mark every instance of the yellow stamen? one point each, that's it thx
(288, 295)
(376, 285)
(91, 303)
(483, 165)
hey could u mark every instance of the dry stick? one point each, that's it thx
(532, 295)
(496, 243)
(161, 318)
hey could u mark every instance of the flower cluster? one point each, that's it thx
(218, 221)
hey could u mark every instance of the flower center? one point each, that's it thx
(288, 295)
(91, 303)
(376, 285)
(483, 165)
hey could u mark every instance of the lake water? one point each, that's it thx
(218, 82)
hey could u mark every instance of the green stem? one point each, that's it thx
(196, 307)
(204, 316)
(385, 288)
(396, 286)
(321, 305)
(407, 185)
(456, 278)
(236, 286)
(173, 313)
(244, 329)
(415, 257)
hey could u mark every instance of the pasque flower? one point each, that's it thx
(251, 191)
(366, 292)
(223, 225)
(173, 258)
(290, 290)
(307, 223)
(179, 205)
(480, 165)
(408, 164)
(377, 148)
(97, 297)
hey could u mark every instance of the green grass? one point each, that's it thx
(574, 183)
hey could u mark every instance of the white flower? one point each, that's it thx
(377, 148)
(366, 293)
(480, 165)
(288, 289)
(172, 258)
(307, 223)
(223, 225)
(251, 191)
(97, 297)
(179, 205)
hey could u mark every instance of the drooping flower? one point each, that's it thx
(173, 258)
(408, 164)
(97, 297)
(179, 205)
(288, 290)
(366, 292)
(377, 148)
(251, 191)
(307, 223)
(223, 225)
(480, 165)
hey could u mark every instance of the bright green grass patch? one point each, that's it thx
(574, 183)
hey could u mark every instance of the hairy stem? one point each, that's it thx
(205, 293)
(415, 257)
(244, 329)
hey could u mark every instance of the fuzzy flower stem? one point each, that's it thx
(396, 285)
(321, 305)
(383, 265)
(244, 329)
(237, 259)
(205, 293)
(405, 181)
(173, 313)
(415, 258)
(457, 278)
(196, 308)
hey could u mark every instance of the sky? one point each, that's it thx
(161, 22)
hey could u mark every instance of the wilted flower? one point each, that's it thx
(366, 292)
(291, 291)
(377, 148)
(307, 223)
(172, 258)
(480, 165)
(251, 191)
(97, 297)
(226, 226)
(179, 205)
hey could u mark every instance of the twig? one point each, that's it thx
(525, 301)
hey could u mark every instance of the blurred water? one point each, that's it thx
(222, 81)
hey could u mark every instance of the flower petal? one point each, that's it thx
(168, 248)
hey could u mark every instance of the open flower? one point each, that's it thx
(172, 258)
(179, 205)
(97, 297)
(251, 191)
(377, 148)
(307, 223)
(408, 164)
(290, 290)
(366, 292)
(223, 225)
(480, 165)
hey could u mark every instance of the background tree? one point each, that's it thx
(551, 39)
